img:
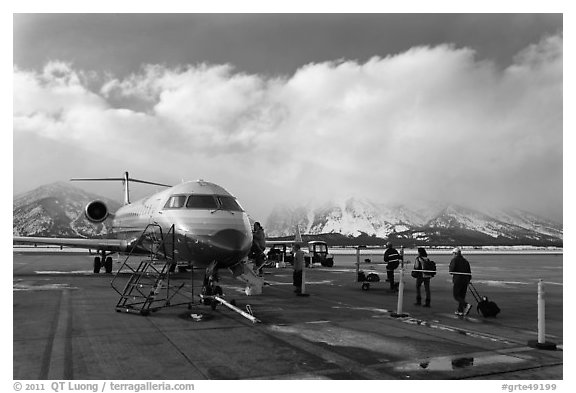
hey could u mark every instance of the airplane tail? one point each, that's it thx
(297, 235)
(125, 181)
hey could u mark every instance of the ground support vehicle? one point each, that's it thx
(280, 255)
(318, 253)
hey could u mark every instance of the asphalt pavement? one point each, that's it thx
(66, 327)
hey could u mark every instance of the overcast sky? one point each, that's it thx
(275, 108)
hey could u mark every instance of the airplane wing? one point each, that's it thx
(270, 243)
(112, 245)
(297, 239)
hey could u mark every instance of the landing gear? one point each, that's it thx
(212, 294)
(97, 265)
(107, 264)
(210, 287)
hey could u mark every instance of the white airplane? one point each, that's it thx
(211, 229)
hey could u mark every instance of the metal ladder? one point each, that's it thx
(149, 287)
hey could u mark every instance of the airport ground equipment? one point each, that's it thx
(400, 304)
(214, 300)
(361, 276)
(541, 342)
(148, 284)
(318, 253)
(365, 278)
(280, 255)
(486, 307)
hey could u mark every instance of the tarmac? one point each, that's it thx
(66, 328)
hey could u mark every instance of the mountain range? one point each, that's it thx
(373, 223)
(57, 209)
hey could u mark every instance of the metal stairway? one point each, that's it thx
(149, 286)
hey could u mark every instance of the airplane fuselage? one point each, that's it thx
(209, 224)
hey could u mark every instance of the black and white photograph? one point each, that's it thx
(287, 196)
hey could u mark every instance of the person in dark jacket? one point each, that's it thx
(258, 244)
(461, 276)
(298, 268)
(392, 259)
(423, 277)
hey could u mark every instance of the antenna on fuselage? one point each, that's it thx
(125, 182)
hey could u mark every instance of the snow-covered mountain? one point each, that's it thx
(424, 223)
(57, 209)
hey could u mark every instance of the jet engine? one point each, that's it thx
(96, 211)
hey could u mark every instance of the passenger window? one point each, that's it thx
(229, 203)
(201, 202)
(175, 202)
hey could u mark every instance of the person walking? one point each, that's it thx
(258, 245)
(461, 276)
(392, 259)
(298, 268)
(422, 277)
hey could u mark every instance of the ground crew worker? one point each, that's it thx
(298, 267)
(258, 244)
(461, 276)
(392, 259)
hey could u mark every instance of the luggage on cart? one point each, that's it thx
(366, 279)
(372, 277)
(486, 307)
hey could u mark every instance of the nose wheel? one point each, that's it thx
(210, 287)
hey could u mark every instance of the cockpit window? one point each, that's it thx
(207, 202)
(229, 203)
(201, 202)
(175, 202)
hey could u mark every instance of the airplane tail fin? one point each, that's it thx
(297, 235)
(125, 180)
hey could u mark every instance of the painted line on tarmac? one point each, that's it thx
(373, 309)
(57, 359)
(343, 270)
(84, 272)
(499, 283)
(23, 286)
(323, 282)
(458, 330)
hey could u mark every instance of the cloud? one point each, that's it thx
(428, 123)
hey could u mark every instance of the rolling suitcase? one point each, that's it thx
(486, 307)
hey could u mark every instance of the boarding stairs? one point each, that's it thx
(147, 285)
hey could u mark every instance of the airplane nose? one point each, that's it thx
(231, 240)
(227, 246)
